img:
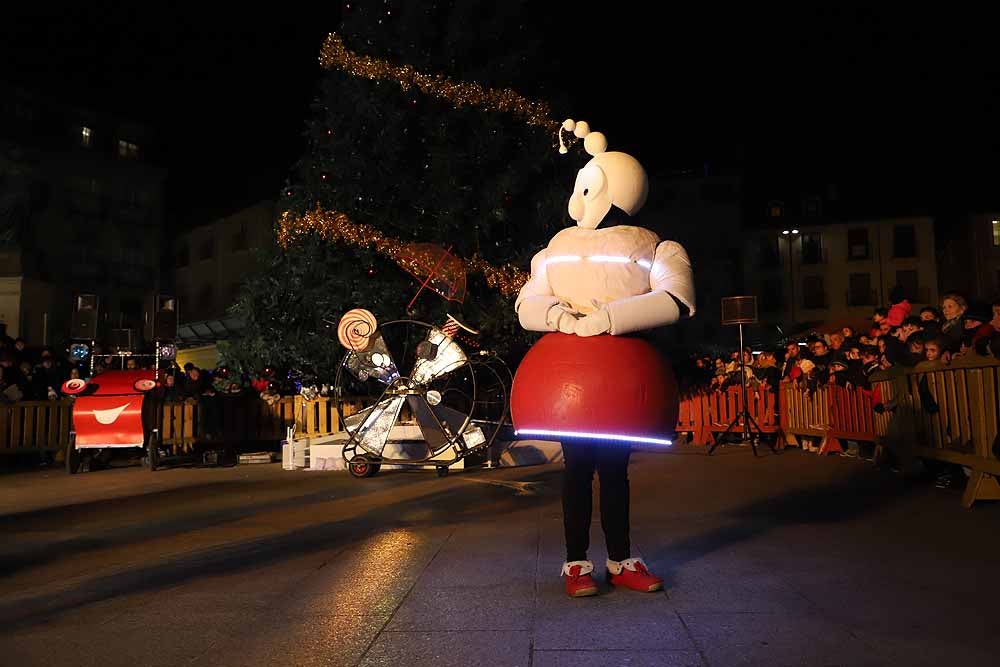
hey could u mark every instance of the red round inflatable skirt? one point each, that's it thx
(599, 387)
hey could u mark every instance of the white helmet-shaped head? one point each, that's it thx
(609, 179)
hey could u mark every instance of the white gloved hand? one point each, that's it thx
(596, 323)
(561, 318)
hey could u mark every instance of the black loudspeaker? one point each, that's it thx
(85, 311)
(739, 310)
(121, 340)
(165, 317)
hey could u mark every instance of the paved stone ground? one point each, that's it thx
(781, 560)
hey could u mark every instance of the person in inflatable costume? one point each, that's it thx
(604, 277)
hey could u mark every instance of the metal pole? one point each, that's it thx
(743, 384)
(791, 276)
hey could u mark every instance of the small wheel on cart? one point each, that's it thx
(72, 457)
(361, 467)
(442, 471)
(152, 458)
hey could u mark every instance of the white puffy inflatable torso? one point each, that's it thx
(616, 280)
(589, 268)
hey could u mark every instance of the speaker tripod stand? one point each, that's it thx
(751, 431)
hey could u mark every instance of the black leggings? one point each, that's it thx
(611, 462)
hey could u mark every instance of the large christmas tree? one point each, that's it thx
(417, 136)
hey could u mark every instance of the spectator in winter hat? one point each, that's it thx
(976, 319)
(930, 314)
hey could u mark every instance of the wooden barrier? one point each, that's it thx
(805, 414)
(242, 419)
(948, 414)
(852, 416)
(33, 426)
(692, 419)
(249, 419)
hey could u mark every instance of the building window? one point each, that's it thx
(775, 209)
(240, 239)
(813, 294)
(128, 150)
(183, 256)
(769, 256)
(857, 243)
(996, 233)
(812, 206)
(86, 137)
(812, 248)
(860, 291)
(909, 281)
(904, 241)
(207, 249)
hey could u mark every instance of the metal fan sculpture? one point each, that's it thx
(408, 394)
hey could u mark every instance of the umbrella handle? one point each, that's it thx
(446, 253)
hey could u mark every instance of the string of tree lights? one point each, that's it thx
(397, 156)
(337, 227)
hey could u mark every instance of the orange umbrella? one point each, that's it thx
(436, 267)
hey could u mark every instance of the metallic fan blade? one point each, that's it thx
(432, 421)
(375, 362)
(374, 424)
(440, 355)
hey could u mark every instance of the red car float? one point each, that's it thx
(108, 413)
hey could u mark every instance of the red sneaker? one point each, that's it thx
(579, 583)
(632, 573)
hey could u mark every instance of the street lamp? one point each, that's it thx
(789, 235)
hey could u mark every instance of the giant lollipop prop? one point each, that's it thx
(356, 328)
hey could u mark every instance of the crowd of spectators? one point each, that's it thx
(931, 339)
(957, 333)
(37, 374)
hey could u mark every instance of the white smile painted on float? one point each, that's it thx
(109, 416)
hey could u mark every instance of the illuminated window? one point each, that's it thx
(775, 209)
(86, 135)
(996, 232)
(127, 149)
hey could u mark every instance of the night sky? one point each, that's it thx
(900, 109)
